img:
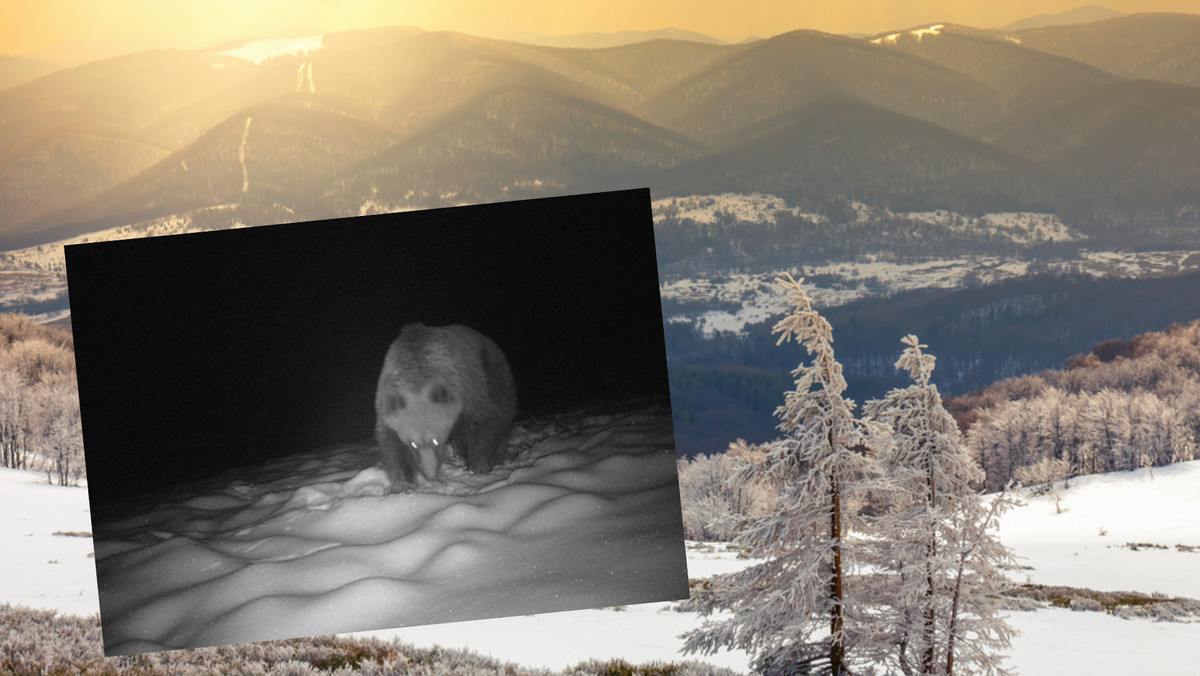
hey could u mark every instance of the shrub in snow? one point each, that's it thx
(619, 667)
(43, 642)
(35, 642)
(1126, 605)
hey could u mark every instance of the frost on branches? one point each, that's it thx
(904, 586)
(939, 555)
(797, 611)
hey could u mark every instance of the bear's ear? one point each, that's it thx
(440, 395)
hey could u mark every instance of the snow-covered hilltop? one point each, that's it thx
(757, 208)
(258, 51)
(918, 33)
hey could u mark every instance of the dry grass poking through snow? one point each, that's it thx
(38, 642)
(1121, 603)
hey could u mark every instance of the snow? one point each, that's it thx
(49, 257)
(919, 33)
(717, 558)
(586, 514)
(755, 297)
(41, 569)
(1157, 507)
(758, 301)
(875, 275)
(707, 209)
(38, 272)
(1028, 227)
(1057, 641)
(242, 156)
(637, 634)
(303, 73)
(1021, 227)
(258, 51)
(1139, 264)
(932, 30)
(1052, 641)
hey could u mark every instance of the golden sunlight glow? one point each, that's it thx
(30, 25)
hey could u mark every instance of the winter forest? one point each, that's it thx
(39, 403)
(1125, 404)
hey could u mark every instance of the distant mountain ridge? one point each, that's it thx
(1084, 14)
(615, 39)
(1095, 122)
(15, 70)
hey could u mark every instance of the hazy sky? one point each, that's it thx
(30, 25)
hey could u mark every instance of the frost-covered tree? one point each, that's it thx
(715, 499)
(39, 402)
(1106, 433)
(58, 432)
(799, 611)
(1085, 432)
(1043, 474)
(14, 405)
(938, 560)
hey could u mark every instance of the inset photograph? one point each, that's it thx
(377, 422)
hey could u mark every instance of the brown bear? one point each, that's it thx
(442, 387)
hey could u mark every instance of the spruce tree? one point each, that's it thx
(798, 611)
(939, 557)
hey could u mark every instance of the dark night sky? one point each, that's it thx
(200, 352)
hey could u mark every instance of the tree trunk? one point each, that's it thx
(952, 626)
(930, 590)
(837, 645)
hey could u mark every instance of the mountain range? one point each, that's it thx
(1098, 122)
(1085, 14)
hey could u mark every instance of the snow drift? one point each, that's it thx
(585, 514)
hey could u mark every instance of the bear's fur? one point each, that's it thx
(440, 387)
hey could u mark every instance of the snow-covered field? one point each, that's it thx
(1086, 545)
(42, 566)
(54, 571)
(585, 515)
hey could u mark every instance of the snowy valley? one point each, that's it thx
(721, 293)
(737, 279)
